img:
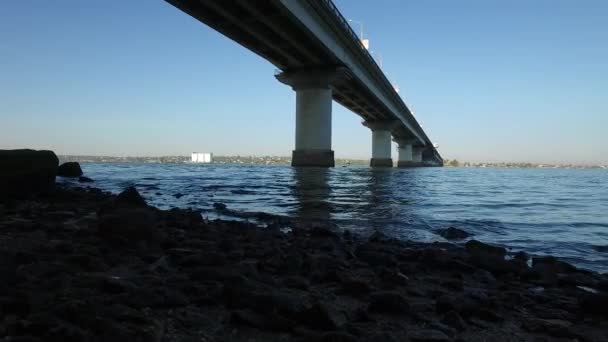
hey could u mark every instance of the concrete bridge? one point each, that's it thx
(321, 58)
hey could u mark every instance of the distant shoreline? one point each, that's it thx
(278, 160)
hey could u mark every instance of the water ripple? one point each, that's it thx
(544, 211)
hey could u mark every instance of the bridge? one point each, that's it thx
(318, 54)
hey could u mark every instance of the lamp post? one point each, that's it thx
(360, 27)
(379, 56)
(364, 42)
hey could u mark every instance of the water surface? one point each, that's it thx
(562, 212)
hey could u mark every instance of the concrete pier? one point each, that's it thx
(381, 143)
(315, 52)
(313, 115)
(417, 155)
(406, 158)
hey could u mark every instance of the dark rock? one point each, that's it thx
(600, 248)
(392, 276)
(296, 282)
(381, 337)
(322, 231)
(554, 327)
(603, 284)
(322, 317)
(551, 264)
(491, 258)
(594, 303)
(83, 179)
(250, 318)
(375, 257)
(69, 169)
(521, 256)
(219, 206)
(453, 319)
(452, 233)
(463, 305)
(26, 172)
(115, 285)
(388, 302)
(129, 224)
(130, 197)
(481, 249)
(21, 339)
(427, 335)
(378, 236)
(354, 286)
(337, 336)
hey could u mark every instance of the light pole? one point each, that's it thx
(360, 27)
(379, 56)
(364, 42)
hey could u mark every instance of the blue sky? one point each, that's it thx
(495, 80)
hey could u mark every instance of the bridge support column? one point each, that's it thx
(406, 158)
(417, 155)
(313, 115)
(381, 143)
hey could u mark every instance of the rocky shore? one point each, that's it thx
(83, 265)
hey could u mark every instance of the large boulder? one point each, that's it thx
(25, 172)
(452, 233)
(69, 169)
(130, 197)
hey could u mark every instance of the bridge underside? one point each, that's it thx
(294, 36)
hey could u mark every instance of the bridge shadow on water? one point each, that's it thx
(361, 199)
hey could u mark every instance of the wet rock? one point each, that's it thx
(355, 286)
(252, 319)
(297, 282)
(381, 337)
(427, 335)
(83, 179)
(378, 236)
(388, 302)
(21, 339)
(115, 285)
(321, 317)
(480, 249)
(492, 258)
(130, 197)
(452, 233)
(219, 206)
(69, 169)
(453, 319)
(129, 225)
(463, 305)
(375, 257)
(26, 172)
(600, 248)
(322, 231)
(521, 256)
(554, 327)
(552, 265)
(337, 336)
(594, 303)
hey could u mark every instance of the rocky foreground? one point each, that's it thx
(82, 265)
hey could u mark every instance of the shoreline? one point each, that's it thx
(85, 265)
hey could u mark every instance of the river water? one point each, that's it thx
(562, 212)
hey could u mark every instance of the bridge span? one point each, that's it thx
(319, 55)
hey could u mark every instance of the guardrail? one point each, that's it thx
(332, 7)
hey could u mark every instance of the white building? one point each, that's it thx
(202, 157)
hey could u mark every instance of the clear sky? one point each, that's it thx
(489, 80)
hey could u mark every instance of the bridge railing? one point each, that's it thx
(330, 4)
